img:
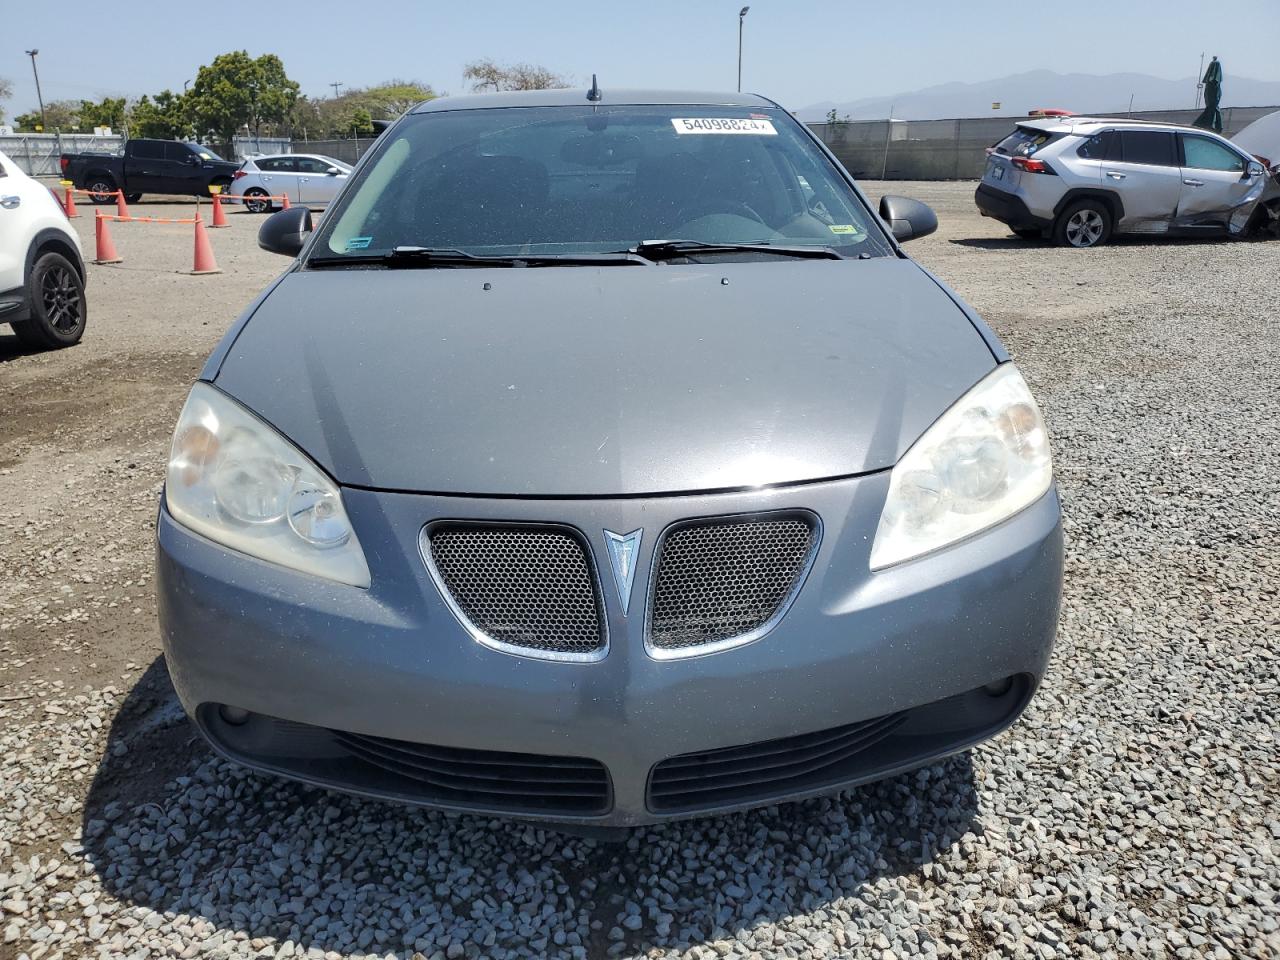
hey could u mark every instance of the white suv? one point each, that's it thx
(41, 268)
(1079, 179)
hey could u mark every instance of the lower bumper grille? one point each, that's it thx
(490, 778)
(762, 770)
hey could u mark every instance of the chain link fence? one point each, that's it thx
(956, 149)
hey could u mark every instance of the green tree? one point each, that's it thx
(58, 115)
(357, 107)
(487, 75)
(6, 91)
(108, 113)
(164, 118)
(237, 91)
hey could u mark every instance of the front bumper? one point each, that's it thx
(318, 665)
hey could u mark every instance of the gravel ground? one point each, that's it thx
(1132, 812)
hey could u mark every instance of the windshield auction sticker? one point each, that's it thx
(722, 125)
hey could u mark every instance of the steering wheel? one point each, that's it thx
(702, 208)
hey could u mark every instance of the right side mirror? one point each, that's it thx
(285, 232)
(908, 219)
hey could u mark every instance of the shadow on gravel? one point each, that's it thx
(172, 828)
(11, 348)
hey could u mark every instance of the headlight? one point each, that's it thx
(236, 481)
(983, 460)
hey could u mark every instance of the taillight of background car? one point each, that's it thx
(1031, 165)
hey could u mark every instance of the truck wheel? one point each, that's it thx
(257, 206)
(1086, 223)
(58, 305)
(102, 188)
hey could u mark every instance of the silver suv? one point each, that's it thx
(1078, 180)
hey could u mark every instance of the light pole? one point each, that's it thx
(742, 15)
(39, 96)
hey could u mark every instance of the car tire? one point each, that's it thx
(102, 189)
(59, 309)
(1083, 224)
(257, 206)
(132, 197)
(1031, 233)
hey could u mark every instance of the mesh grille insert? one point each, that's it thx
(721, 580)
(531, 587)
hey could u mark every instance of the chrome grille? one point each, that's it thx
(528, 587)
(725, 580)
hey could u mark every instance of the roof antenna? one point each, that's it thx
(594, 93)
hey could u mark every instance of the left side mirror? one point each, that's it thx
(285, 232)
(908, 219)
(1255, 169)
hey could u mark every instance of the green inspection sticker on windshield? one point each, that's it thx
(842, 228)
(359, 243)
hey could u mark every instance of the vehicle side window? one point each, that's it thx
(1152, 147)
(276, 165)
(1205, 154)
(1101, 146)
(310, 165)
(176, 151)
(148, 150)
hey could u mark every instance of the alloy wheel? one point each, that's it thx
(60, 297)
(1084, 228)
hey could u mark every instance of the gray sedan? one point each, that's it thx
(603, 459)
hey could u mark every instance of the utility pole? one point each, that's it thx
(742, 15)
(336, 84)
(39, 96)
(1200, 82)
(884, 167)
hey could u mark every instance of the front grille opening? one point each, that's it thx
(762, 770)
(726, 579)
(529, 587)
(489, 779)
(497, 781)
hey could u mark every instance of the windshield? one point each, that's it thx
(203, 152)
(580, 179)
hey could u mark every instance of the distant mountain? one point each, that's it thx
(1016, 94)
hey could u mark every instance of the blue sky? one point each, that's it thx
(797, 53)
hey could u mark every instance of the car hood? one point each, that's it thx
(605, 381)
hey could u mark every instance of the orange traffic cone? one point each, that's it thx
(219, 215)
(122, 208)
(204, 262)
(69, 205)
(106, 252)
(284, 197)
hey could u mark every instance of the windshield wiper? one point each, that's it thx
(657, 250)
(410, 257)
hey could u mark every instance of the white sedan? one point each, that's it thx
(305, 178)
(41, 269)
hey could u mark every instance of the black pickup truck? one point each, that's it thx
(148, 166)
